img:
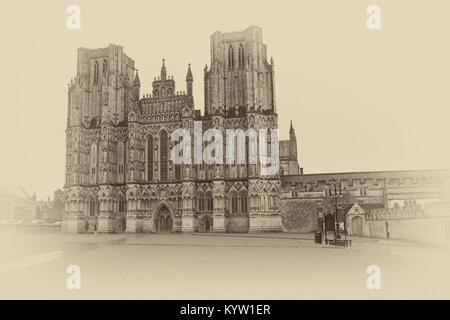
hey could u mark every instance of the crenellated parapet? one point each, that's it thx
(397, 213)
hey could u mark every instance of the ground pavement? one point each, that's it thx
(217, 266)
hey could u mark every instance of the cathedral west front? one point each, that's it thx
(119, 173)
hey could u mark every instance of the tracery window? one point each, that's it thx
(95, 72)
(105, 67)
(230, 57)
(241, 56)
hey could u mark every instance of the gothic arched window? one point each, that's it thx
(93, 164)
(241, 56)
(94, 207)
(122, 205)
(149, 158)
(105, 67)
(230, 57)
(163, 158)
(95, 72)
(201, 203)
(234, 202)
(121, 161)
(209, 202)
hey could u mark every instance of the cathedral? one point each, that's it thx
(119, 176)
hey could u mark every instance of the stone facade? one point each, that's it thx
(119, 175)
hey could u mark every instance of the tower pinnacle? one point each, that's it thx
(136, 81)
(189, 76)
(189, 81)
(163, 70)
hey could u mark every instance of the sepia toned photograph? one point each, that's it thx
(225, 150)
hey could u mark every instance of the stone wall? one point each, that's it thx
(427, 230)
(299, 215)
(430, 224)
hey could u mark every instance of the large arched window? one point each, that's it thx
(163, 158)
(149, 158)
(230, 57)
(241, 56)
(95, 72)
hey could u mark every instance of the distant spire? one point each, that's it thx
(136, 81)
(189, 76)
(291, 130)
(163, 70)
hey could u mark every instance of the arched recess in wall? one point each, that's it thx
(230, 57)
(95, 78)
(233, 202)
(243, 201)
(163, 155)
(149, 159)
(93, 160)
(241, 56)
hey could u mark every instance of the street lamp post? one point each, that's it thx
(336, 192)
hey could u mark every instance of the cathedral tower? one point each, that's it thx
(240, 77)
(102, 88)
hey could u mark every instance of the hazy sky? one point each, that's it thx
(360, 99)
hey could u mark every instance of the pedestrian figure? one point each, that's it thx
(95, 229)
(86, 226)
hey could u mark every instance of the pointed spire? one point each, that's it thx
(291, 130)
(136, 81)
(189, 76)
(163, 70)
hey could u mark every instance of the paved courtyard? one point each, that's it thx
(210, 266)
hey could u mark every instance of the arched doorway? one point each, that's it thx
(163, 220)
(205, 224)
(357, 226)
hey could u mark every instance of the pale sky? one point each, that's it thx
(361, 100)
